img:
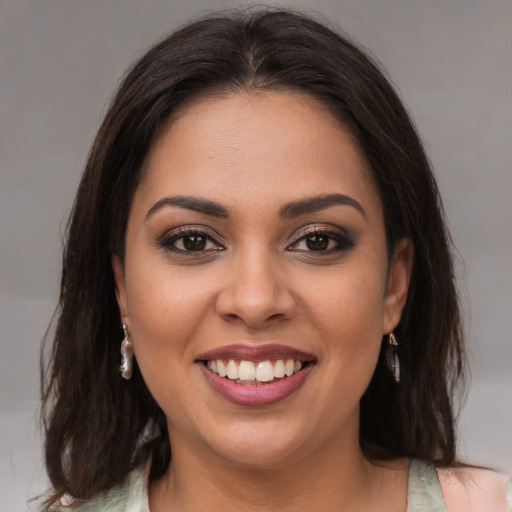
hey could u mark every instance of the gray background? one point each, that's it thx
(59, 62)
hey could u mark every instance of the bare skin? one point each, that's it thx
(255, 269)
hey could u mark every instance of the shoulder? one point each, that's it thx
(470, 489)
(108, 501)
(131, 493)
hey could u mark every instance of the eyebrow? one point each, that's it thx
(317, 203)
(195, 204)
(288, 211)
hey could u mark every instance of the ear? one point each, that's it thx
(397, 284)
(118, 269)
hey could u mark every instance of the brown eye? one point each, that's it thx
(322, 241)
(194, 242)
(317, 242)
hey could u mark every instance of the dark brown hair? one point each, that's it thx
(97, 425)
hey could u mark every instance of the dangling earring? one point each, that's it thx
(126, 356)
(392, 357)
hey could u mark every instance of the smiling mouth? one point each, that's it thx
(249, 373)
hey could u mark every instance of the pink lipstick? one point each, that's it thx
(251, 375)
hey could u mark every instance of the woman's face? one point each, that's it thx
(255, 238)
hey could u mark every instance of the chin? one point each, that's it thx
(257, 457)
(258, 446)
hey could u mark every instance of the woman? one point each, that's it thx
(258, 232)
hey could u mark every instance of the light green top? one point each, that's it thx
(423, 493)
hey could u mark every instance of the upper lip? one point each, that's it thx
(251, 352)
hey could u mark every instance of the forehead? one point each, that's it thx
(256, 147)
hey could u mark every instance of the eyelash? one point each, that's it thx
(342, 240)
(339, 236)
(168, 240)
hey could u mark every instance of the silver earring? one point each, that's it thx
(126, 356)
(392, 357)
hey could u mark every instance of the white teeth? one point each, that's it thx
(279, 369)
(264, 371)
(246, 371)
(232, 370)
(221, 368)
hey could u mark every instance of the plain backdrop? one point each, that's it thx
(59, 63)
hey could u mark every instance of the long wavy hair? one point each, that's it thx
(97, 425)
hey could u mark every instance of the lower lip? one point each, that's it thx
(259, 394)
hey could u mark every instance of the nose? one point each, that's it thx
(255, 292)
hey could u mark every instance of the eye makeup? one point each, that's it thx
(194, 240)
(315, 240)
(321, 239)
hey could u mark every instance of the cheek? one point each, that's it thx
(346, 298)
(348, 313)
(165, 307)
(167, 312)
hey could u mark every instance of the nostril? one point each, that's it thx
(255, 302)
